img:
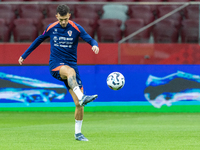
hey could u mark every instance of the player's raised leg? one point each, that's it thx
(66, 72)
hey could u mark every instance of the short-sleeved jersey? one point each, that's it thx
(63, 41)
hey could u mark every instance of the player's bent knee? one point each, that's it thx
(71, 71)
(66, 71)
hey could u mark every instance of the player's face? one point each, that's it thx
(63, 20)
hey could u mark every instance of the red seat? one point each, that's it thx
(133, 25)
(163, 33)
(109, 30)
(163, 10)
(190, 35)
(123, 0)
(13, 0)
(41, 0)
(5, 7)
(106, 34)
(51, 10)
(190, 31)
(170, 22)
(4, 31)
(96, 0)
(71, 6)
(177, 17)
(151, 0)
(109, 22)
(98, 7)
(87, 24)
(32, 11)
(153, 7)
(178, 0)
(192, 12)
(87, 11)
(7, 13)
(47, 21)
(142, 12)
(42, 6)
(91, 15)
(24, 30)
(190, 23)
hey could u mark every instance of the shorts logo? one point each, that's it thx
(70, 33)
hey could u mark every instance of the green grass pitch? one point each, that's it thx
(105, 131)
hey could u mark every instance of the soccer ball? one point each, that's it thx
(115, 80)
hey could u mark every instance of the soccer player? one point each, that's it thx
(64, 35)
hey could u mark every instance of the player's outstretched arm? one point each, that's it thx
(95, 49)
(21, 60)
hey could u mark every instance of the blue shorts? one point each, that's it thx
(54, 70)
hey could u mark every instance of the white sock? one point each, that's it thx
(78, 92)
(78, 125)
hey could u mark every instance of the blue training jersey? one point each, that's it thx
(64, 41)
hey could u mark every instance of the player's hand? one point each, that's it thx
(95, 49)
(21, 60)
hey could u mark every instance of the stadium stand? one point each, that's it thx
(132, 25)
(96, 0)
(9, 16)
(24, 30)
(87, 24)
(44, 13)
(108, 22)
(12, 0)
(177, 17)
(71, 6)
(51, 10)
(164, 33)
(170, 22)
(192, 12)
(87, 11)
(151, 0)
(5, 7)
(142, 12)
(34, 12)
(4, 31)
(41, 0)
(153, 7)
(99, 7)
(116, 7)
(116, 11)
(109, 30)
(178, 0)
(190, 31)
(123, 0)
(46, 22)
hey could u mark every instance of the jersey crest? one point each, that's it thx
(69, 33)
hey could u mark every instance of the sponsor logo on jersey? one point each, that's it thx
(55, 31)
(55, 38)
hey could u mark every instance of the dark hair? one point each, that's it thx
(62, 10)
